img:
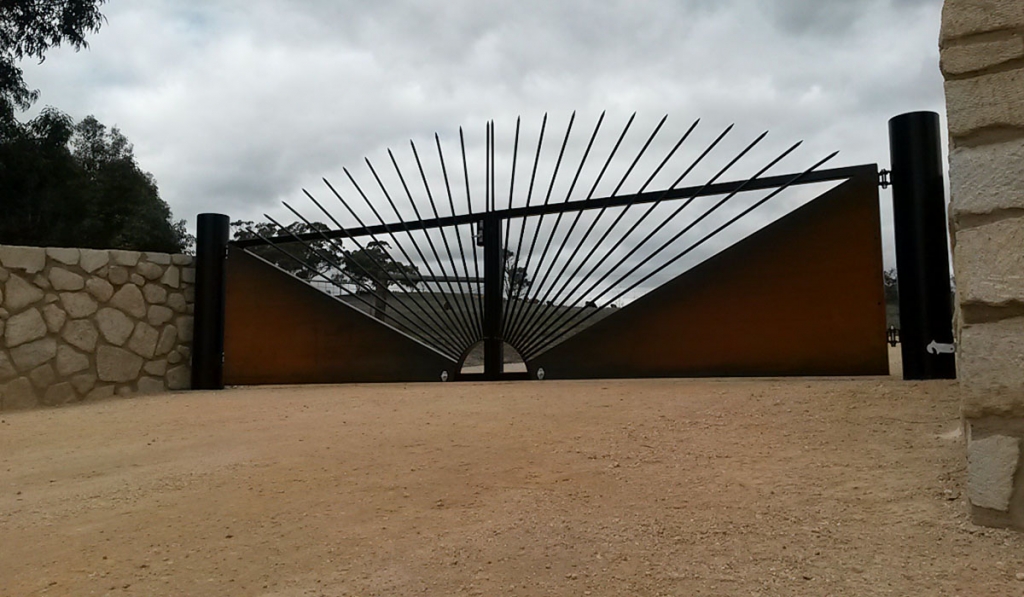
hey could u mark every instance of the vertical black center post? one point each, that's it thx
(493, 265)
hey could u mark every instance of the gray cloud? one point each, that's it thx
(235, 106)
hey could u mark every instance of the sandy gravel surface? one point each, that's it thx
(757, 487)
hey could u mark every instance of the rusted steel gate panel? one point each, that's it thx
(281, 330)
(803, 296)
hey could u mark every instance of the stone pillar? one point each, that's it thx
(982, 45)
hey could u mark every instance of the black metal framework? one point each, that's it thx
(212, 233)
(922, 252)
(583, 251)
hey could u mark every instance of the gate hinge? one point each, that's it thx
(884, 178)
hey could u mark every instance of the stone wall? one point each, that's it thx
(79, 324)
(982, 45)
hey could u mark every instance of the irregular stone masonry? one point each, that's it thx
(982, 47)
(82, 324)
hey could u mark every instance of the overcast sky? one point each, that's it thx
(237, 105)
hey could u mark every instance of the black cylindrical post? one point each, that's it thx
(493, 279)
(922, 253)
(208, 338)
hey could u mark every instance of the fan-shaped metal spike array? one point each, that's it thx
(512, 275)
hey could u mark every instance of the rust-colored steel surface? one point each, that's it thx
(280, 330)
(803, 296)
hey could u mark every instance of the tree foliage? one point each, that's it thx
(79, 185)
(370, 268)
(317, 255)
(516, 280)
(28, 28)
(62, 183)
(891, 285)
(373, 266)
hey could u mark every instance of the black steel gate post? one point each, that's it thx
(922, 258)
(208, 339)
(493, 265)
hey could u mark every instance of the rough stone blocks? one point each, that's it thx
(130, 300)
(62, 279)
(92, 260)
(78, 304)
(115, 326)
(29, 356)
(58, 394)
(990, 263)
(28, 259)
(987, 179)
(18, 395)
(81, 334)
(70, 361)
(100, 289)
(990, 366)
(116, 364)
(991, 101)
(179, 378)
(991, 463)
(19, 294)
(7, 370)
(65, 256)
(982, 44)
(24, 327)
(126, 258)
(969, 58)
(143, 340)
(961, 18)
(87, 324)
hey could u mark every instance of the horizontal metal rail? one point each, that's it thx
(724, 188)
(455, 279)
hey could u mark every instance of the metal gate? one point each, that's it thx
(578, 283)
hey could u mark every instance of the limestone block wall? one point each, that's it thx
(79, 324)
(982, 47)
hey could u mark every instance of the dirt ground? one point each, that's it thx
(665, 487)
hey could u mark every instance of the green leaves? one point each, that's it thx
(373, 266)
(78, 185)
(370, 267)
(28, 28)
(317, 255)
(516, 279)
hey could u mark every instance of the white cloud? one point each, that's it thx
(235, 106)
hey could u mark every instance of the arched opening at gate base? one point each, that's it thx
(472, 362)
